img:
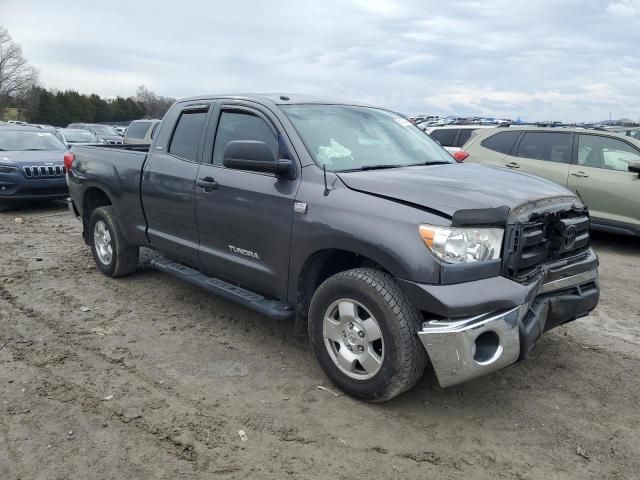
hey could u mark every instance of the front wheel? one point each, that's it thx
(113, 255)
(364, 333)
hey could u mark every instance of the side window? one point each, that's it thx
(501, 142)
(548, 146)
(465, 135)
(634, 134)
(241, 126)
(186, 136)
(445, 136)
(605, 152)
(138, 129)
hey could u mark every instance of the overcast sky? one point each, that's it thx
(569, 60)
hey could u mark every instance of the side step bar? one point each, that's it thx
(271, 308)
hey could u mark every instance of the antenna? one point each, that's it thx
(324, 171)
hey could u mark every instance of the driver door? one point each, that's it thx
(244, 218)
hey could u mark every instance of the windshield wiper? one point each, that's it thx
(380, 167)
(435, 162)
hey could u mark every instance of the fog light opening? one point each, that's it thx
(487, 347)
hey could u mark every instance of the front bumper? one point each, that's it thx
(14, 186)
(462, 347)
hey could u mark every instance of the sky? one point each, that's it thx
(568, 60)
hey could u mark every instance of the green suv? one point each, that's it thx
(602, 168)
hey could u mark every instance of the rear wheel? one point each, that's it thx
(113, 255)
(363, 332)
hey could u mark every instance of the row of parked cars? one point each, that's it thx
(137, 132)
(31, 156)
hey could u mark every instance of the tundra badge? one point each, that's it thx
(242, 251)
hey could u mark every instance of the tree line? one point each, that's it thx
(41, 105)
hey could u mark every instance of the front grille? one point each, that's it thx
(114, 142)
(44, 171)
(543, 239)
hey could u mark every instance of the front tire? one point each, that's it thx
(113, 255)
(363, 331)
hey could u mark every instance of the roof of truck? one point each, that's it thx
(278, 99)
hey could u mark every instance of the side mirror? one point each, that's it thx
(634, 168)
(254, 156)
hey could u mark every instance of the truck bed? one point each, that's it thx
(117, 171)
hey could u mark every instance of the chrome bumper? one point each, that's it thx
(471, 347)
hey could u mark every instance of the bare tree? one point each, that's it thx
(154, 105)
(17, 76)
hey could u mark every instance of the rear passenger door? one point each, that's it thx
(546, 154)
(168, 183)
(244, 218)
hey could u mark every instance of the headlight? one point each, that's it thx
(7, 169)
(463, 245)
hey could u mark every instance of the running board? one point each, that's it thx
(271, 308)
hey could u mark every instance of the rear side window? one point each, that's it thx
(445, 136)
(242, 126)
(547, 146)
(186, 136)
(501, 142)
(138, 129)
(465, 135)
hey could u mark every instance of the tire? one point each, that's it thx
(398, 355)
(121, 258)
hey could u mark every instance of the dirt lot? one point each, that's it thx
(146, 377)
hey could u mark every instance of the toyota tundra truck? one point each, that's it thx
(351, 222)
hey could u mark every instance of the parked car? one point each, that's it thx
(452, 138)
(104, 132)
(601, 167)
(120, 129)
(18, 123)
(141, 132)
(350, 219)
(75, 136)
(31, 166)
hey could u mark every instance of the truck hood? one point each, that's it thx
(453, 187)
(38, 157)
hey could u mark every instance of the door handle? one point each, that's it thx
(580, 174)
(512, 165)
(207, 184)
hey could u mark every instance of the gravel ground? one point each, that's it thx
(146, 377)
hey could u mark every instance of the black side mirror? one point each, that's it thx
(634, 168)
(254, 156)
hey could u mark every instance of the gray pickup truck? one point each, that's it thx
(353, 223)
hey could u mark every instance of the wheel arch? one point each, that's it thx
(92, 198)
(317, 267)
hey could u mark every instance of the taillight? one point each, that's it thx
(68, 160)
(460, 156)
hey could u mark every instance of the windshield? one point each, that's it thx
(15, 140)
(78, 136)
(103, 130)
(343, 137)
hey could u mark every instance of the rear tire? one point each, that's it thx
(363, 331)
(113, 255)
